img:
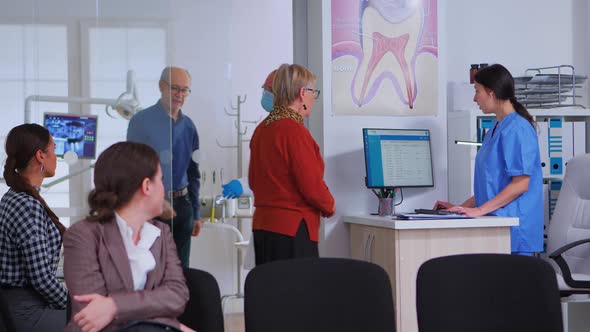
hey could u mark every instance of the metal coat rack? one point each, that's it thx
(241, 132)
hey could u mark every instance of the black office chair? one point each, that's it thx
(6, 322)
(318, 294)
(203, 310)
(487, 293)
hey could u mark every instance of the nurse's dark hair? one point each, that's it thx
(118, 173)
(22, 143)
(499, 80)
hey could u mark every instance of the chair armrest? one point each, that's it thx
(565, 270)
(567, 247)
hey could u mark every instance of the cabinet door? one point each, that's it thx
(360, 237)
(381, 247)
(372, 244)
(382, 250)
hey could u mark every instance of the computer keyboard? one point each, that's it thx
(432, 211)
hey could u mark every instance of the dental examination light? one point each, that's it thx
(127, 104)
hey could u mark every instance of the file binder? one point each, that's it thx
(544, 147)
(555, 143)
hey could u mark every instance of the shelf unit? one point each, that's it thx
(549, 87)
(463, 126)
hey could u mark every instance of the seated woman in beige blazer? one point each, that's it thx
(119, 264)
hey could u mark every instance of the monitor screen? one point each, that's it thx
(397, 158)
(72, 133)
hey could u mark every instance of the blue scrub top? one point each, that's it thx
(513, 151)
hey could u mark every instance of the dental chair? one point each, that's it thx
(568, 238)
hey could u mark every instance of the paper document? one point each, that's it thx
(430, 216)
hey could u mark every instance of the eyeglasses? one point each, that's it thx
(178, 90)
(316, 93)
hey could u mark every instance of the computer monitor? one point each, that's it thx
(397, 158)
(72, 133)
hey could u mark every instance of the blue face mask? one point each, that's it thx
(267, 100)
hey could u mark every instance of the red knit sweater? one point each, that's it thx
(286, 176)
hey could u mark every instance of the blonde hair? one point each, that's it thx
(288, 81)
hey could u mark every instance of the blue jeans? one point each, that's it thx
(182, 227)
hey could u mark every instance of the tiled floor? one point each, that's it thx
(234, 322)
(233, 315)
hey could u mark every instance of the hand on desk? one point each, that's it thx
(442, 205)
(470, 212)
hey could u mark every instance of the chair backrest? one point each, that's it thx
(487, 292)
(6, 321)
(571, 218)
(318, 294)
(203, 310)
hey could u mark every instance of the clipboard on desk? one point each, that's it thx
(424, 216)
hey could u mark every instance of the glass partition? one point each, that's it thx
(86, 51)
(104, 58)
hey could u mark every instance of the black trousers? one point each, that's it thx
(30, 312)
(270, 246)
(181, 227)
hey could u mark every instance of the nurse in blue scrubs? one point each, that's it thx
(508, 178)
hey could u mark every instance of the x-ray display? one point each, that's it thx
(75, 133)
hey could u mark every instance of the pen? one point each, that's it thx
(376, 194)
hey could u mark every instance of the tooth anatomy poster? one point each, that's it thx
(384, 57)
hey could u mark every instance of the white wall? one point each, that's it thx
(518, 34)
(33, 9)
(229, 53)
(341, 140)
(229, 46)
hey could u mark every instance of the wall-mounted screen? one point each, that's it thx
(397, 158)
(70, 132)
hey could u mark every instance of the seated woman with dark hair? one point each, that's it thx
(120, 265)
(30, 234)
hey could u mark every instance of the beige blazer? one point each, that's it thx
(95, 261)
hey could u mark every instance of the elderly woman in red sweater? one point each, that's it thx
(286, 173)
